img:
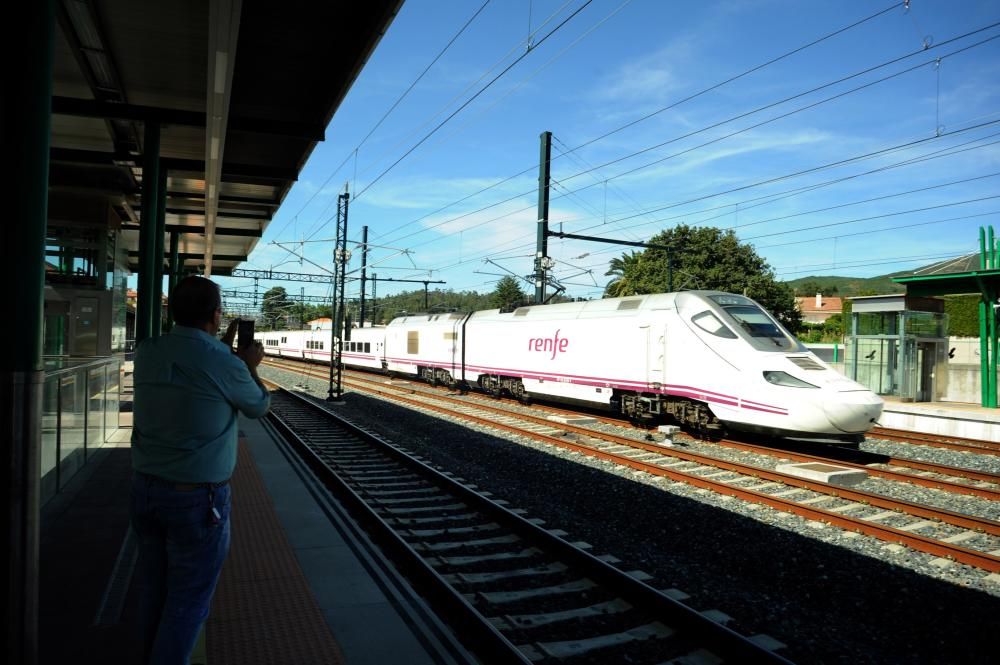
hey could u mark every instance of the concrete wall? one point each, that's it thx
(964, 384)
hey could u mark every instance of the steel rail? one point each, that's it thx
(957, 488)
(718, 637)
(921, 543)
(967, 521)
(491, 643)
(938, 440)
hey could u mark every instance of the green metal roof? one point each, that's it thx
(974, 281)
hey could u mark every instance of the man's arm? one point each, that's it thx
(230, 335)
(252, 400)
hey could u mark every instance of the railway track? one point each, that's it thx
(925, 474)
(950, 442)
(954, 479)
(515, 591)
(953, 536)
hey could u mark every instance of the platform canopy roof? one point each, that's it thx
(242, 92)
(962, 275)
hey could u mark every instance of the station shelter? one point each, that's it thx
(898, 346)
(153, 139)
(977, 274)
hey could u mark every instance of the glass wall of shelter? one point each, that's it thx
(898, 346)
(80, 412)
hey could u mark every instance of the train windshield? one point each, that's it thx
(763, 331)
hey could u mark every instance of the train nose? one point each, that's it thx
(854, 412)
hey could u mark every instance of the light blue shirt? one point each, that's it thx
(188, 388)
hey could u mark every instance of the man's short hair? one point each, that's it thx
(194, 301)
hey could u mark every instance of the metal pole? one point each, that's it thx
(174, 273)
(854, 345)
(542, 241)
(991, 396)
(332, 394)
(335, 389)
(147, 231)
(364, 264)
(26, 109)
(985, 308)
(990, 263)
(340, 307)
(161, 216)
(426, 304)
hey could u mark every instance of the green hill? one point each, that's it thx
(846, 286)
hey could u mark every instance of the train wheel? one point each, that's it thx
(518, 391)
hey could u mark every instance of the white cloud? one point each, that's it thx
(651, 77)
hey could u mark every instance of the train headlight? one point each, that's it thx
(786, 380)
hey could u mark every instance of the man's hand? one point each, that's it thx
(230, 335)
(252, 355)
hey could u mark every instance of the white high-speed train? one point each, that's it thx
(706, 359)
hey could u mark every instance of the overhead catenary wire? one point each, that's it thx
(465, 104)
(572, 195)
(471, 86)
(865, 263)
(672, 105)
(780, 178)
(788, 113)
(473, 98)
(389, 111)
(744, 130)
(529, 169)
(890, 228)
(755, 202)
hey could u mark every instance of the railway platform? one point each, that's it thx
(968, 421)
(300, 584)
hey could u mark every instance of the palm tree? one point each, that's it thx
(626, 276)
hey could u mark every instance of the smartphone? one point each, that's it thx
(244, 334)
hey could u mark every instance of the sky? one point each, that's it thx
(850, 138)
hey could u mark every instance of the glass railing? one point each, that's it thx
(80, 405)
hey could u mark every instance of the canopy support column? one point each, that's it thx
(25, 132)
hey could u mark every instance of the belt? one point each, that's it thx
(183, 487)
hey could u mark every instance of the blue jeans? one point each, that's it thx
(182, 546)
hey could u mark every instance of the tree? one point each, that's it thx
(811, 287)
(626, 272)
(274, 307)
(708, 258)
(507, 292)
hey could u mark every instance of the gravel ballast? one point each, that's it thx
(831, 595)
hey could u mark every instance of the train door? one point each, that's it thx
(457, 346)
(655, 360)
(926, 358)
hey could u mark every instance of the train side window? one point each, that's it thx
(368, 347)
(711, 324)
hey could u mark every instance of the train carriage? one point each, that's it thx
(428, 346)
(365, 348)
(706, 359)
